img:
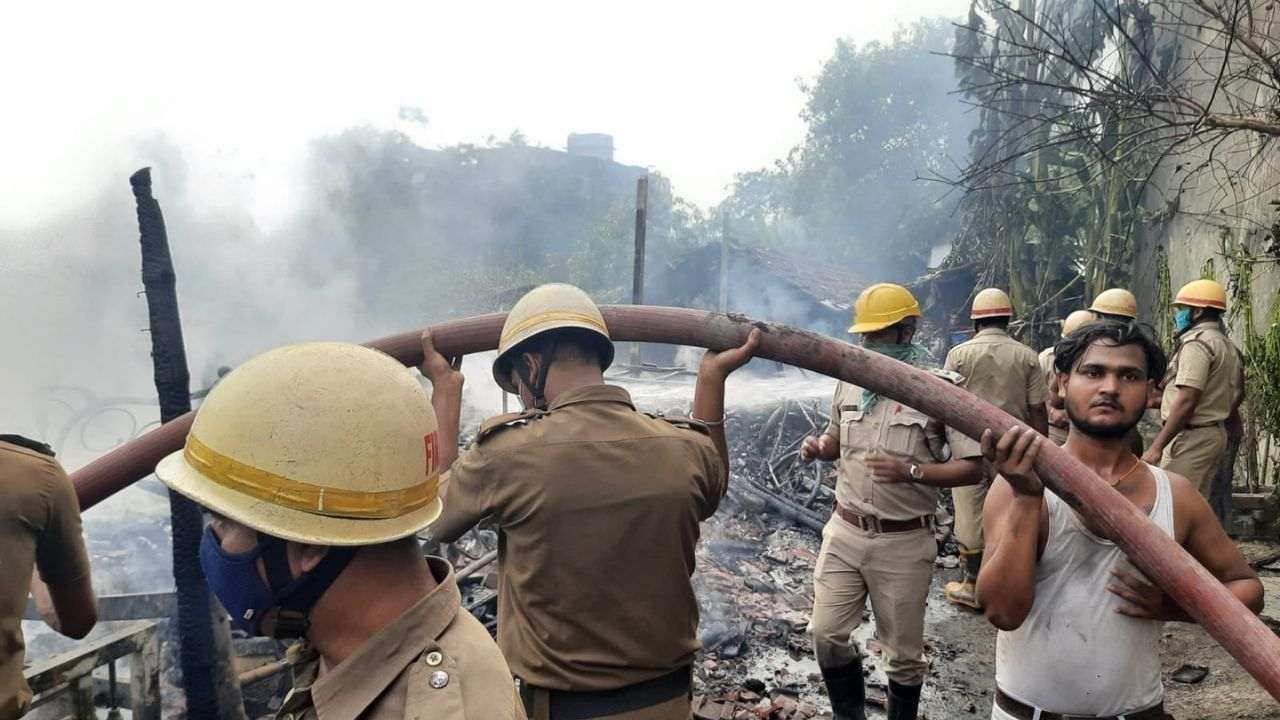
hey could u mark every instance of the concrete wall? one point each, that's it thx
(1234, 200)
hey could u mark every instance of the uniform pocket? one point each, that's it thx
(849, 416)
(904, 433)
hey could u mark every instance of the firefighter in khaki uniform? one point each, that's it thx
(1115, 304)
(1005, 373)
(1058, 421)
(318, 464)
(1203, 388)
(598, 507)
(879, 542)
(41, 550)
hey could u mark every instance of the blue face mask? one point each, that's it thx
(1182, 319)
(235, 579)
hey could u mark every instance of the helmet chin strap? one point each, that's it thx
(293, 598)
(538, 386)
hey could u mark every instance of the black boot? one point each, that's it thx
(904, 701)
(846, 690)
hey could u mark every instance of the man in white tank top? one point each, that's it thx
(1079, 624)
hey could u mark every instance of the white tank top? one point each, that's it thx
(1074, 654)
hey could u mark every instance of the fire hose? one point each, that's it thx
(1166, 563)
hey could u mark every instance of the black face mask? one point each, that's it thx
(235, 580)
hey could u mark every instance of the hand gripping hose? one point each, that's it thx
(1238, 630)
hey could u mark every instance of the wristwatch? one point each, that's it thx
(916, 472)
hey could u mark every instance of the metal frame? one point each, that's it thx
(68, 679)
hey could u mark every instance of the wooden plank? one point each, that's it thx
(1249, 501)
(144, 679)
(121, 608)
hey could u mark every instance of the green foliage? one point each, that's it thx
(1207, 270)
(1055, 186)
(881, 121)
(1163, 310)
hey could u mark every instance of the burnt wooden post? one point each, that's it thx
(205, 661)
(637, 273)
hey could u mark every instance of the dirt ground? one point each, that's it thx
(755, 583)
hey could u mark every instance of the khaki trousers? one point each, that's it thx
(1195, 454)
(893, 570)
(969, 500)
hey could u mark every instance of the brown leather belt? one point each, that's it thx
(1022, 711)
(1203, 426)
(871, 523)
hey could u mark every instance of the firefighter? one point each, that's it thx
(879, 543)
(1058, 421)
(318, 464)
(1115, 304)
(598, 507)
(42, 550)
(1005, 373)
(1203, 388)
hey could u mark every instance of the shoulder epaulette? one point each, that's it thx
(686, 423)
(954, 378)
(498, 423)
(28, 443)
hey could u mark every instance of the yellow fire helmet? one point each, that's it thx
(1076, 320)
(989, 303)
(1116, 301)
(542, 309)
(882, 305)
(1202, 294)
(323, 443)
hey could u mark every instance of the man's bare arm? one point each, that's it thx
(1208, 542)
(446, 379)
(71, 608)
(953, 473)
(1014, 517)
(1184, 406)
(1007, 581)
(708, 391)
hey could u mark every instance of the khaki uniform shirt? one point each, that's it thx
(1000, 370)
(1047, 370)
(1208, 361)
(599, 508)
(434, 662)
(891, 428)
(39, 527)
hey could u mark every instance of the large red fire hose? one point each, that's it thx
(1242, 634)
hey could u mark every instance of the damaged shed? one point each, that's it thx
(761, 283)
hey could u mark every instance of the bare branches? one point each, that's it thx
(1110, 79)
(1265, 127)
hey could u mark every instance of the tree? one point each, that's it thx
(879, 117)
(1081, 103)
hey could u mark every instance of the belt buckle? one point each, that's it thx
(874, 522)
